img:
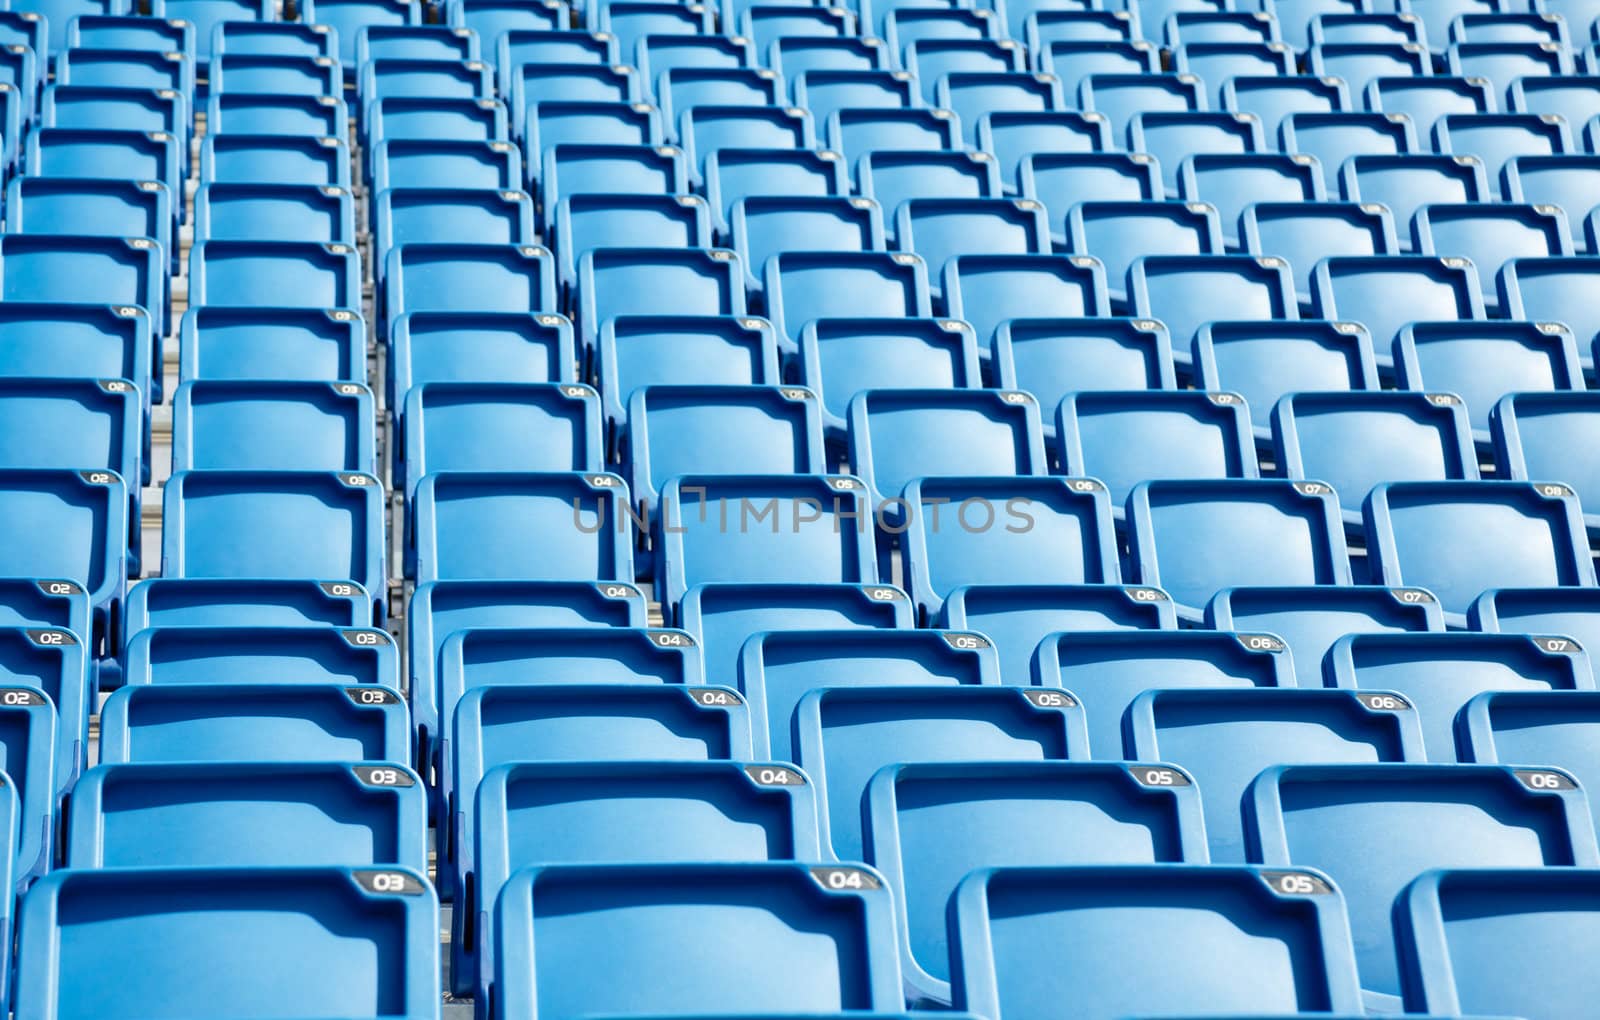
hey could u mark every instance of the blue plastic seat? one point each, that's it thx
(577, 169)
(98, 106)
(1274, 99)
(1119, 233)
(1360, 63)
(642, 350)
(1073, 61)
(1550, 727)
(443, 120)
(904, 26)
(986, 290)
(423, 163)
(519, 46)
(91, 152)
(765, 24)
(1325, 817)
(972, 94)
(1564, 611)
(316, 426)
(932, 824)
(543, 813)
(893, 177)
(794, 55)
(1311, 619)
(107, 207)
(282, 274)
(444, 214)
(349, 17)
(1124, 438)
(817, 535)
(1173, 137)
(1541, 436)
(1016, 530)
(456, 277)
(1216, 57)
(247, 815)
(1305, 233)
(1354, 441)
(358, 657)
(1015, 137)
(278, 723)
(843, 357)
(473, 526)
(1440, 673)
(825, 93)
(492, 19)
(931, 59)
(815, 938)
(1296, 18)
(707, 129)
(1122, 96)
(319, 934)
(1385, 293)
(37, 602)
(656, 281)
(1232, 183)
(856, 133)
(1285, 928)
(533, 84)
(1194, 538)
(1573, 97)
(1553, 290)
(1336, 137)
(58, 340)
(478, 347)
(270, 74)
(57, 667)
(399, 78)
(1049, 22)
(1377, 27)
(120, 67)
(1569, 182)
(1497, 138)
(1426, 99)
(256, 601)
(238, 524)
(588, 222)
(266, 212)
(27, 747)
(1016, 617)
(766, 225)
(681, 89)
(1503, 63)
(283, 159)
(1482, 361)
(1225, 737)
(1409, 182)
(415, 42)
(1051, 358)
(281, 38)
(732, 174)
(833, 284)
(1186, 292)
(631, 22)
(1459, 539)
(294, 343)
(1491, 235)
(294, 116)
(1507, 26)
(1061, 180)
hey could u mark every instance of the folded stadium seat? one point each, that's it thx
(1570, 182)
(1194, 538)
(120, 67)
(398, 78)
(281, 159)
(997, 913)
(536, 83)
(1206, 27)
(656, 281)
(270, 38)
(519, 46)
(1459, 539)
(763, 226)
(457, 277)
(823, 285)
(267, 212)
(98, 106)
(107, 341)
(553, 526)
(1217, 62)
(1386, 27)
(1039, 24)
(647, 350)
(1224, 738)
(1061, 180)
(807, 937)
(1406, 183)
(899, 436)
(1051, 358)
(1506, 26)
(875, 14)
(299, 116)
(1426, 99)
(971, 95)
(1004, 530)
(584, 223)
(1421, 816)
(1296, 18)
(1360, 63)
(724, 616)
(732, 174)
(27, 743)
(236, 523)
(1483, 361)
(1440, 673)
(987, 290)
(58, 665)
(928, 60)
(1122, 96)
(1490, 236)
(300, 655)
(19, 69)
(1385, 293)
(317, 426)
(764, 24)
(580, 169)
(440, 120)
(1535, 435)
(478, 347)
(1334, 138)
(1497, 138)
(1015, 137)
(1119, 233)
(302, 274)
(1123, 438)
(1173, 137)
(1187, 292)
(1265, 361)
(901, 27)
(348, 17)
(64, 152)
(820, 532)
(87, 206)
(1274, 98)
(423, 163)
(490, 19)
(795, 55)
(1550, 290)
(36, 602)
(1305, 233)
(777, 669)
(929, 825)
(1576, 98)
(1552, 727)
(631, 22)
(1503, 63)
(825, 93)
(242, 815)
(324, 938)
(285, 343)
(532, 814)
(681, 89)
(707, 129)
(1564, 611)
(217, 602)
(441, 215)
(1354, 441)
(415, 42)
(1071, 62)
(30, 28)
(893, 177)
(1232, 183)
(270, 74)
